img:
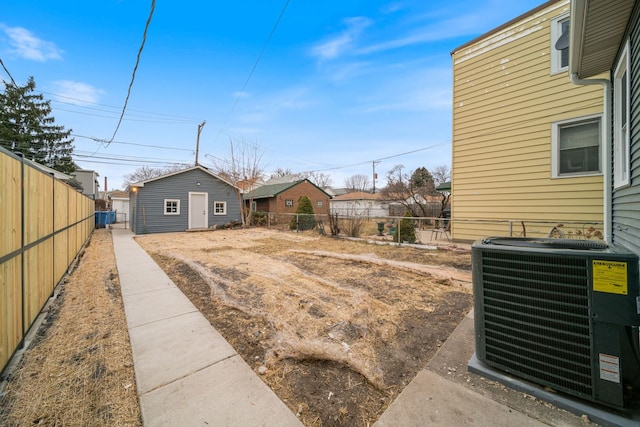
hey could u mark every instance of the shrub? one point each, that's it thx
(353, 225)
(259, 218)
(306, 220)
(407, 230)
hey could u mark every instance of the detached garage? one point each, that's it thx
(190, 199)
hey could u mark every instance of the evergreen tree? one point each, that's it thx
(306, 220)
(27, 127)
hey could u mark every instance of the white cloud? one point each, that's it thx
(468, 20)
(77, 92)
(28, 46)
(391, 8)
(412, 90)
(339, 44)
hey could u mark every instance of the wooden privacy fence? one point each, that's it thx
(43, 225)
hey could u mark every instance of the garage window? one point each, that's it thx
(172, 206)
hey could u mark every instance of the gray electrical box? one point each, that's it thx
(561, 313)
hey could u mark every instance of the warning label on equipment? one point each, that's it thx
(610, 277)
(610, 368)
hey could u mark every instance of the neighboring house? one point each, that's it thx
(192, 198)
(247, 185)
(607, 39)
(283, 197)
(360, 203)
(527, 143)
(120, 204)
(89, 181)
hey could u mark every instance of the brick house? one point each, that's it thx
(282, 198)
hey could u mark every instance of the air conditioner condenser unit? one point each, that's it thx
(561, 313)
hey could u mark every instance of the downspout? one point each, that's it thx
(606, 148)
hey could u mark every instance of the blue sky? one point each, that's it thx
(339, 84)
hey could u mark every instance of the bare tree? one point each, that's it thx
(357, 182)
(441, 174)
(244, 166)
(280, 172)
(320, 179)
(144, 173)
(411, 191)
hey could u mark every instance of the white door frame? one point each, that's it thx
(206, 208)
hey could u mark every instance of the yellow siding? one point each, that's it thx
(504, 102)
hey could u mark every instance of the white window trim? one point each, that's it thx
(555, 147)
(224, 204)
(287, 204)
(621, 143)
(164, 206)
(555, 35)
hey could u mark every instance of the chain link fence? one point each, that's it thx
(426, 229)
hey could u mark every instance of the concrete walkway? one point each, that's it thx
(186, 372)
(188, 375)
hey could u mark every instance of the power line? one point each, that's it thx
(135, 68)
(123, 157)
(101, 140)
(255, 65)
(8, 73)
(149, 119)
(113, 106)
(127, 164)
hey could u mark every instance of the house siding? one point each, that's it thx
(504, 103)
(626, 201)
(276, 204)
(360, 207)
(294, 193)
(147, 205)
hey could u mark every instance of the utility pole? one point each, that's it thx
(200, 126)
(375, 175)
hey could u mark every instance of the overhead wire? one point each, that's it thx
(134, 143)
(149, 119)
(135, 69)
(8, 73)
(255, 66)
(82, 101)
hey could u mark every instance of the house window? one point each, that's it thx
(171, 206)
(319, 203)
(621, 152)
(576, 147)
(559, 57)
(288, 203)
(219, 208)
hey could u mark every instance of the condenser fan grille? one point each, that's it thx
(536, 318)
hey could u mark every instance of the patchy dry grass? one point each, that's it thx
(79, 370)
(337, 328)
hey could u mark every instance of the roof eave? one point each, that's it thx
(590, 52)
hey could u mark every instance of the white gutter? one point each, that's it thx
(605, 131)
(578, 15)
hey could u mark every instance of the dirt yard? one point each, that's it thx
(336, 328)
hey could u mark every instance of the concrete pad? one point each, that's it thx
(169, 349)
(226, 394)
(435, 401)
(143, 308)
(136, 268)
(145, 281)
